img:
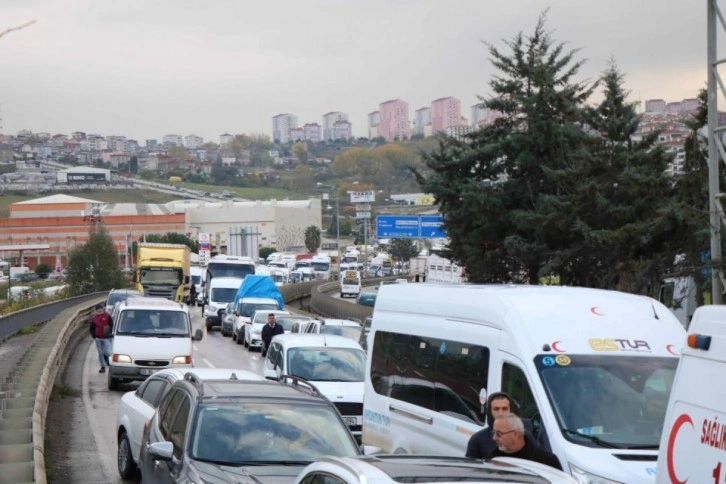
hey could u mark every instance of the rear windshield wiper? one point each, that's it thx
(592, 438)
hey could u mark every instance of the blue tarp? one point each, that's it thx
(259, 286)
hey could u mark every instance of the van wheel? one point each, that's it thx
(342, 296)
(112, 383)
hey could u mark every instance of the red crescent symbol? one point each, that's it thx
(554, 347)
(594, 310)
(670, 350)
(680, 421)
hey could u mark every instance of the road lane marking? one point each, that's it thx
(209, 363)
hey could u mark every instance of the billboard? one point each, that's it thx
(362, 197)
(410, 227)
(85, 177)
(204, 247)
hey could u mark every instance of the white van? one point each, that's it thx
(350, 284)
(222, 290)
(149, 334)
(578, 361)
(694, 434)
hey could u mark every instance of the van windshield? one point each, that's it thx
(608, 400)
(153, 323)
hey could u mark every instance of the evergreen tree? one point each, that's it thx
(312, 238)
(402, 249)
(93, 266)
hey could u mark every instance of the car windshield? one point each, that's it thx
(147, 322)
(224, 294)
(352, 332)
(286, 321)
(609, 401)
(327, 364)
(249, 433)
(261, 317)
(247, 309)
(220, 269)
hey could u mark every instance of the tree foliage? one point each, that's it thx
(168, 238)
(93, 266)
(312, 238)
(402, 249)
(554, 187)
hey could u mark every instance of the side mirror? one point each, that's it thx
(198, 335)
(161, 450)
(270, 374)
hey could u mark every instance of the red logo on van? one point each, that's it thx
(680, 422)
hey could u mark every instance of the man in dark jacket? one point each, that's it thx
(100, 328)
(512, 441)
(269, 331)
(482, 444)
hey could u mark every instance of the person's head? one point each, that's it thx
(99, 308)
(271, 319)
(497, 404)
(509, 433)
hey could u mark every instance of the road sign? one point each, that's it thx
(362, 215)
(362, 197)
(362, 208)
(432, 227)
(397, 227)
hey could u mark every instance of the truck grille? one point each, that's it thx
(152, 363)
(164, 292)
(347, 408)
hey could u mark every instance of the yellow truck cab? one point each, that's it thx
(162, 270)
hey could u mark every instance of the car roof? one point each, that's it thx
(315, 340)
(259, 389)
(211, 373)
(338, 322)
(153, 303)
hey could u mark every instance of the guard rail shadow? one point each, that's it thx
(26, 387)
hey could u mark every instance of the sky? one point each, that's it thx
(146, 68)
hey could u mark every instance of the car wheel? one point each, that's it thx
(238, 339)
(248, 346)
(126, 464)
(112, 382)
(234, 335)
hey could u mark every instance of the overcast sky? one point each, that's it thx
(146, 68)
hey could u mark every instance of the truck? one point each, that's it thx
(223, 265)
(322, 267)
(163, 270)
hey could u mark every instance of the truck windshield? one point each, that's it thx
(321, 266)
(216, 269)
(224, 294)
(160, 276)
(612, 401)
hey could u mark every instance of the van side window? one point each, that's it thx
(440, 375)
(515, 384)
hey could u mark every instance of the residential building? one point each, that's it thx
(459, 131)
(170, 140)
(655, 106)
(296, 134)
(374, 122)
(329, 120)
(151, 143)
(422, 118)
(192, 141)
(312, 132)
(281, 126)
(394, 123)
(342, 130)
(225, 139)
(445, 112)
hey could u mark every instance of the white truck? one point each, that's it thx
(222, 290)
(322, 267)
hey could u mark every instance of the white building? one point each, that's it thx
(225, 139)
(374, 124)
(342, 130)
(173, 140)
(422, 118)
(329, 120)
(312, 132)
(274, 223)
(192, 141)
(459, 131)
(281, 126)
(296, 134)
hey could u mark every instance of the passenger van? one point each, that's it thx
(581, 364)
(222, 290)
(694, 437)
(350, 284)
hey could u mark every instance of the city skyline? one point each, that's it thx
(144, 69)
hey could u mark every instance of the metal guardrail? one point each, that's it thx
(25, 391)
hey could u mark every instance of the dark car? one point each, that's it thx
(240, 430)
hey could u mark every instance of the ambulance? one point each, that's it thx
(693, 445)
(590, 369)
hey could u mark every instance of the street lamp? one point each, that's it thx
(326, 196)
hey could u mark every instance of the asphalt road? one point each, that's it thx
(84, 428)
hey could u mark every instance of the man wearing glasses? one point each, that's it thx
(512, 441)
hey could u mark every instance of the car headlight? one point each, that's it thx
(116, 358)
(182, 360)
(584, 477)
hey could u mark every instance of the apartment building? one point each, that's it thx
(281, 126)
(312, 132)
(329, 120)
(192, 141)
(374, 124)
(422, 118)
(170, 140)
(394, 120)
(445, 112)
(342, 130)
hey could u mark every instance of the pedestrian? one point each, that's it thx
(513, 441)
(193, 295)
(482, 444)
(269, 331)
(100, 328)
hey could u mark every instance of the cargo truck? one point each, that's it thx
(162, 270)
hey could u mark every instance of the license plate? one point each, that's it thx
(147, 371)
(349, 420)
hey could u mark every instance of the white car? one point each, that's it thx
(418, 468)
(334, 364)
(244, 311)
(253, 330)
(137, 408)
(340, 327)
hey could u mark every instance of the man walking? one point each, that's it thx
(269, 331)
(101, 326)
(482, 444)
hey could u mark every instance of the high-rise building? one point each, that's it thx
(374, 124)
(281, 126)
(422, 117)
(311, 132)
(445, 112)
(225, 139)
(172, 140)
(394, 120)
(295, 134)
(329, 120)
(655, 106)
(342, 130)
